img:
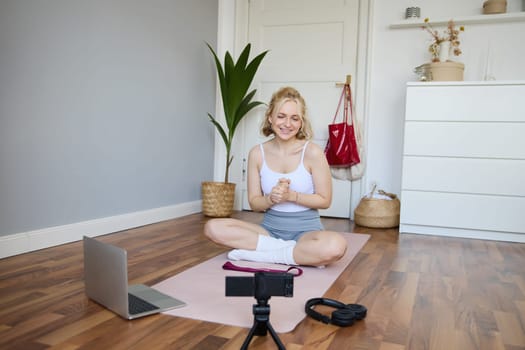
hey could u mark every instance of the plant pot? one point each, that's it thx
(444, 71)
(217, 199)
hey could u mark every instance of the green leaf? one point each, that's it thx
(220, 130)
(235, 79)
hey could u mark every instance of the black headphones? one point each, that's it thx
(344, 316)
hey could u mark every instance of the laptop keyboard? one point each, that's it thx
(137, 305)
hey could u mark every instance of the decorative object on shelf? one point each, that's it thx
(494, 6)
(441, 48)
(423, 72)
(440, 71)
(446, 71)
(488, 72)
(412, 12)
(444, 51)
(451, 34)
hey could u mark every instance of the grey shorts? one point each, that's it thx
(291, 225)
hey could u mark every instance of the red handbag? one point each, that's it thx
(341, 149)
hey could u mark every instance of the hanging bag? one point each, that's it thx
(341, 149)
(356, 171)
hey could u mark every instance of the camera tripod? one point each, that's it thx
(261, 324)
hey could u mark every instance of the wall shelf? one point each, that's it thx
(478, 19)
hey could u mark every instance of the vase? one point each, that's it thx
(444, 51)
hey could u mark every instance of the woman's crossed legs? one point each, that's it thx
(253, 242)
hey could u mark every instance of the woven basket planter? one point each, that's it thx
(378, 213)
(217, 199)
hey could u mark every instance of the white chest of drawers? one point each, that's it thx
(464, 160)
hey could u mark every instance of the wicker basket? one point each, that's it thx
(217, 199)
(494, 6)
(378, 213)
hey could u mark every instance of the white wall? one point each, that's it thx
(397, 51)
(101, 102)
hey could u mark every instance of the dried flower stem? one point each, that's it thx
(450, 34)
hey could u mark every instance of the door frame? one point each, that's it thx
(232, 35)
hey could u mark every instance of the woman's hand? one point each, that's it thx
(280, 191)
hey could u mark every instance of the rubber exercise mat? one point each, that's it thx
(202, 287)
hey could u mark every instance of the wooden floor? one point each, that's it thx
(422, 292)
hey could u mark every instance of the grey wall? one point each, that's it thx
(103, 107)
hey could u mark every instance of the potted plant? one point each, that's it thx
(235, 79)
(441, 48)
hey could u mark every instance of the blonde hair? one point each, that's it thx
(279, 98)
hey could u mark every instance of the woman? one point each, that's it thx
(289, 179)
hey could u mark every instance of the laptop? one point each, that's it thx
(106, 282)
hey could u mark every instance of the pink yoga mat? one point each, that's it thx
(202, 287)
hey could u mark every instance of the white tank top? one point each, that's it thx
(301, 181)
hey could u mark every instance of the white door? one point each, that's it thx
(313, 45)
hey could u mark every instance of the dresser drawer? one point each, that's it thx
(502, 103)
(461, 139)
(463, 211)
(464, 175)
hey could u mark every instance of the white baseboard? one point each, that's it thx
(52, 236)
(463, 233)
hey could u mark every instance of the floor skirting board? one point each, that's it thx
(463, 233)
(24, 242)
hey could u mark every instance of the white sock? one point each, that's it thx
(270, 243)
(277, 256)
